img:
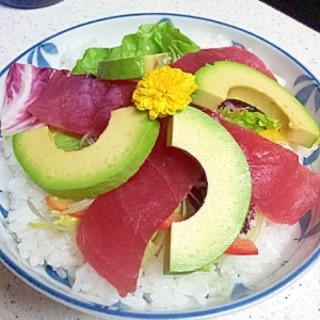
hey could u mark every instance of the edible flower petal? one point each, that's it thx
(164, 91)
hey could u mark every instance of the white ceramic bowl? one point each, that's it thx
(303, 248)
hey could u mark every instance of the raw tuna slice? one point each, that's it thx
(193, 61)
(282, 188)
(78, 104)
(116, 228)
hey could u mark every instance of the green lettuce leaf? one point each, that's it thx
(149, 39)
(91, 57)
(255, 121)
(68, 142)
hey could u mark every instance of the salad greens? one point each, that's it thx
(68, 142)
(253, 120)
(149, 39)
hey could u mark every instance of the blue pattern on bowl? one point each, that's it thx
(305, 93)
(55, 275)
(313, 157)
(37, 54)
(4, 212)
(307, 227)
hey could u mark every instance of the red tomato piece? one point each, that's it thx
(242, 246)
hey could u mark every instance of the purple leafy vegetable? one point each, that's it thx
(24, 84)
(78, 104)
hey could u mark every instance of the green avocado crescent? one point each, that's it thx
(232, 80)
(110, 161)
(202, 238)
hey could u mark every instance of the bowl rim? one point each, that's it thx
(98, 309)
(170, 14)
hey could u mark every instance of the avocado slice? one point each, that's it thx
(203, 237)
(231, 80)
(131, 68)
(117, 155)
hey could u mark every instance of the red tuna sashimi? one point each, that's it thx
(116, 228)
(193, 61)
(283, 189)
(78, 104)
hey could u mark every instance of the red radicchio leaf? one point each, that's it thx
(78, 104)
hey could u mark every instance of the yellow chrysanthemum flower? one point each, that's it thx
(164, 91)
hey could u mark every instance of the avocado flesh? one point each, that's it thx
(231, 80)
(202, 238)
(131, 68)
(116, 156)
